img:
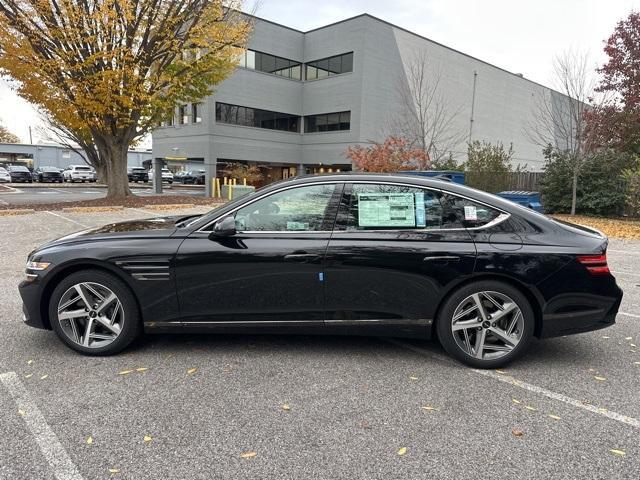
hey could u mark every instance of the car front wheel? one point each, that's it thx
(486, 324)
(94, 313)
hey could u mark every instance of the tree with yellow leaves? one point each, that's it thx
(110, 70)
(7, 137)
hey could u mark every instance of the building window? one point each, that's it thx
(169, 120)
(254, 117)
(66, 153)
(329, 66)
(196, 113)
(183, 118)
(264, 62)
(327, 122)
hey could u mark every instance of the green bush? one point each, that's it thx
(602, 188)
(488, 166)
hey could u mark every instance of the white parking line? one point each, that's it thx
(66, 218)
(633, 422)
(58, 458)
(629, 314)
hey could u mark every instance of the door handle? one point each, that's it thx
(301, 257)
(441, 259)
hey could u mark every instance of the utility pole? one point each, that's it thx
(473, 105)
(30, 136)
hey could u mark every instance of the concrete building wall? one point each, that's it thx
(503, 103)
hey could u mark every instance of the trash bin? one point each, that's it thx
(526, 199)
(455, 177)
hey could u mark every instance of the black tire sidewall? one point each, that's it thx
(445, 315)
(132, 324)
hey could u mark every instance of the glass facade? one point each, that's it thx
(264, 62)
(327, 122)
(255, 117)
(329, 66)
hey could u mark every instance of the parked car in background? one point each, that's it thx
(167, 176)
(194, 176)
(138, 174)
(48, 174)
(18, 173)
(79, 173)
(397, 255)
(179, 175)
(4, 175)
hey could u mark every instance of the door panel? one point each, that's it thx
(391, 256)
(271, 270)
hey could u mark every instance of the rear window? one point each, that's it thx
(84, 169)
(49, 169)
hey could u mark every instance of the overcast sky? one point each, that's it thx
(521, 36)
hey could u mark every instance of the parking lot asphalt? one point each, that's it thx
(310, 407)
(79, 192)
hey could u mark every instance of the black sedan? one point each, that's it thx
(340, 254)
(18, 173)
(48, 174)
(195, 177)
(138, 174)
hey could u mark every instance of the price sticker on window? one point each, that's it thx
(470, 213)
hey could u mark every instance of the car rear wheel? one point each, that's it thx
(486, 324)
(95, 313)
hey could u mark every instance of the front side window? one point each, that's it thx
(301, 209)
(399, 207)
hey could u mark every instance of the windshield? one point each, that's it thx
(49, 169)
(19, 169)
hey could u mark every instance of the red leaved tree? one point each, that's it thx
(392, 155)
(616, 123)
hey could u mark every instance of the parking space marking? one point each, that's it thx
(629, 314)
(66, 218)
(633, 422)
(58, 458)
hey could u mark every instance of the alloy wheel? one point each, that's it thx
(487, 325)
(90, 314)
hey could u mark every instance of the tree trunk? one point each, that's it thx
(113, 152)
(101, 171)
(574, 191)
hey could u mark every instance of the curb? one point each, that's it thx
(106, 208)
(171, 206)
(16, 211)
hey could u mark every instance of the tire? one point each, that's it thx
(128, 322)
(462, 343)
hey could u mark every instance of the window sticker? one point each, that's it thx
(470, 213)
(297, 226)
(386, 210)
(421, 219)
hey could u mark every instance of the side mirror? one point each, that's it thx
(224, 228)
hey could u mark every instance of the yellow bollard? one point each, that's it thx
(244, 181)
(217, 192)
(225, 180)
(235, 181)
(230, 187)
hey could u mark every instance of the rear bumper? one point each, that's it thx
(596, 312)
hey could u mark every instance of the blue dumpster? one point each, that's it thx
(456, 177)
(526, 199)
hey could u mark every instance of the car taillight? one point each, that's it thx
(596, 264)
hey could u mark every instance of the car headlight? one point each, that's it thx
(38, 266)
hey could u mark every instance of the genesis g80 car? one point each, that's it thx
(394, 255)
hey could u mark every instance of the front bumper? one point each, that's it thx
(31, 293)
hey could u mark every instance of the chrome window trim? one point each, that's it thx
(496, 221)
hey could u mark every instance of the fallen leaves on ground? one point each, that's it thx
(90, 440)
(555, 417)
(29, 375)
(516, 401)
(141, 369)
(429, 408)
(517, 432)
(248, 454)
(43, 377)
(600, 379)
(402, 451)
(611, 227)
(191, 371)
(147, 438)
(114, 470)
(125, 372)
(286, 407)
(29, 362)
(619, 453)
(529, 407)
(413, 378)
(21, 412)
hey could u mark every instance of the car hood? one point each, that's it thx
(147, 227)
